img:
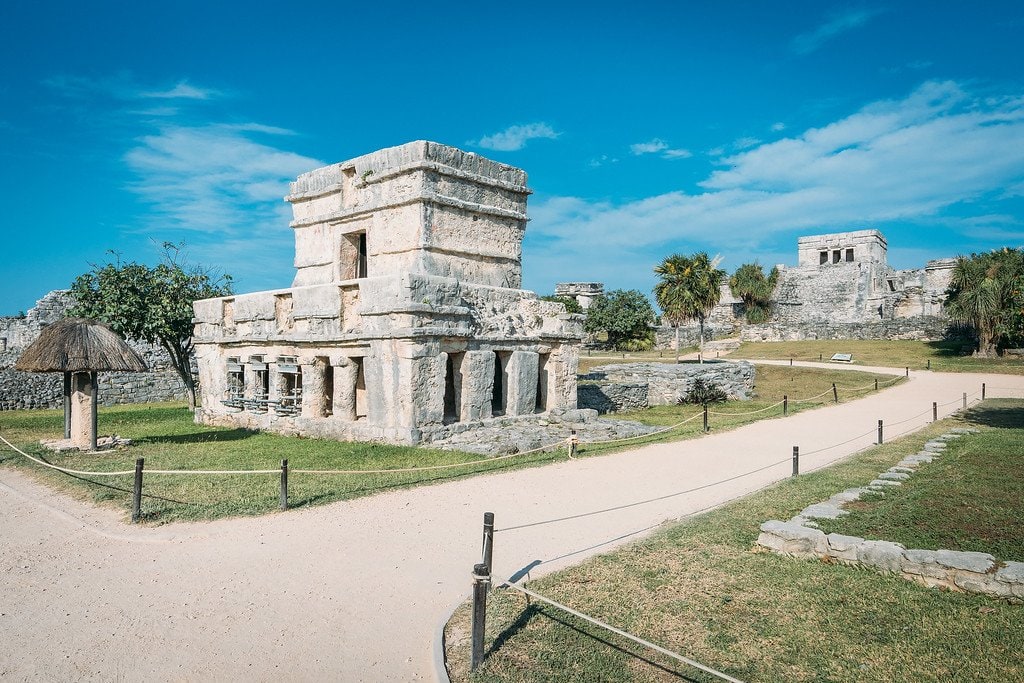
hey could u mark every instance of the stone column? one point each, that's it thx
(345, 390)
(314, 401)
(477, 385)
(83, 429)
(522, 383)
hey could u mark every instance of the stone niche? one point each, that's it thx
(405, 314)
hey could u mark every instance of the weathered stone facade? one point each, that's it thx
(632, 386)
(405, 314)
(19, 390)
(841, 288)
(582, 293)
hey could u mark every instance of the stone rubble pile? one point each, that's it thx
(631, 386)
(501, 436)
(972, 572)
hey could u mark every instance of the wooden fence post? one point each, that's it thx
(481, 582)
(835, 393)
(876, 384)
(705, 417)
(965, 399)
(785, 405)
(488, 543)
(935, 411)
(137, 491)
(982, 391)
(879, 431)
(573, 443)
(908, 371)
(284, 484)
(796, 461)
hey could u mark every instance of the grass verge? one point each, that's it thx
(971, 498)
(166, 437)
(943, 356)
(700, 588)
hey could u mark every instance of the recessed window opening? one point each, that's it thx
(453, 387)
(360, 389)
(362, 269)
(849, 255)
(328, 398)
(542, 383)
(289, 387)
(499, 390)
(236, 383)
(261, 385)
(822, 258)
(3, 344)
(837, 256)
(892, 285)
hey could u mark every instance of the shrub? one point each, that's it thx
(702, 391)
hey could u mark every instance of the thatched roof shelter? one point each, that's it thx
(79, 348)
(79, 345)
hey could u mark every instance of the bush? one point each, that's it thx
(703, 391)
(636, 345)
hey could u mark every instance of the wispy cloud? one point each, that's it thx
(778, 126)
(937, 149)
(515, 138)
(806, 43)
(660, 147)
(181, 90)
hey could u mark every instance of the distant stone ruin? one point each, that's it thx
(841, 288)
(405, 321)
(582, 293)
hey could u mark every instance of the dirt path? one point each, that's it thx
(354, 591)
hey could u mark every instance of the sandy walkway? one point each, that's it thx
(354, 591)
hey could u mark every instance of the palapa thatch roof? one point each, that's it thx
(79, 345)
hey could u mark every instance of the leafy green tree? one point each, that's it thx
(571, 305)
(153, 304)
(750, 285)
(688, 289)
(985, 292)
(625, 315)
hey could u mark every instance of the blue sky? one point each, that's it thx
(645, 128)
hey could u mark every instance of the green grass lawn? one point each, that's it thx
(944, 356)
(703, 589)
(166, 437)
(971, 498)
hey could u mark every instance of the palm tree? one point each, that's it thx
(689, 288)
(750, 285)
(982, 294)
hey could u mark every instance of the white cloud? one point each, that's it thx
(660, 147)
(806, 43)
(515, 138)
(745, 142)
(182, 90)
(778, 126)
(901, 160)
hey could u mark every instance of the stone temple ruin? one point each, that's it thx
(405, 320)
(841, 288)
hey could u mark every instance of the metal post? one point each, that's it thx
(879, 431)
(935, 411)
(835, 393)
(965, 399)
(488, 543)
(785, 405)
(573, 443)
(481, 582)
(284, 484)
(982, 391)
(705, 417)
(137, 491)
(796, 461)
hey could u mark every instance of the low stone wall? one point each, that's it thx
(689, 335)
(22, 390)
(630, 386)
(920, 328)
(971, 572)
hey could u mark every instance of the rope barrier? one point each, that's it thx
(750, 412)
(643, 502)
(64, 469)
(620, 632)
(836, 445)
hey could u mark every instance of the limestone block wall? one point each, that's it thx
(21, 390)
(628, 386)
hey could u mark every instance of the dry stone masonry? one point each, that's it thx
(20, 390)
(405, 315)
(972, 572)
(633, 386)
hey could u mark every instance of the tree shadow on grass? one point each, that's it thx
(1002, 417)
(200, 437)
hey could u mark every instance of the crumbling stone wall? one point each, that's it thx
(20, 390)
(630, 386)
